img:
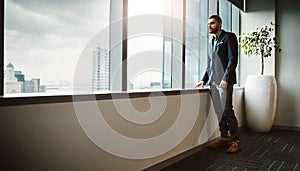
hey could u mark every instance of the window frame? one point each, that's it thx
(122, 93)
(2, 49)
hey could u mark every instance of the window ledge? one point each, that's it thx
(27, 100)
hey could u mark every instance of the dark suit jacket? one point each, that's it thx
(224, 60)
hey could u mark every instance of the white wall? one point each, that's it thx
(49, 136)
(288, 64)
(284, 65)
(258, 13)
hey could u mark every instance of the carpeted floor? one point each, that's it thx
(277, 150)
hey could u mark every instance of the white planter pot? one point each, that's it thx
(260, 102)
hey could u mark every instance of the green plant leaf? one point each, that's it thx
(259, 42)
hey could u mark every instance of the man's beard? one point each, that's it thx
(213, 31)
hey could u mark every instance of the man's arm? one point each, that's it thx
(232, 50)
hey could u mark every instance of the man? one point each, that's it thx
(220, 76)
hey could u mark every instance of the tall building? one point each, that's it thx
(32, 86)
(36, 83)
(100, 69)
(29, 87)
(11, 82)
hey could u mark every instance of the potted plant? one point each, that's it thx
(260, 90)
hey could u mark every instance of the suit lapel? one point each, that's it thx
(220, 40)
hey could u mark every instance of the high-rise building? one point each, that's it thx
(36, 83)
(29, 87)
(100, 69)
(33, 86)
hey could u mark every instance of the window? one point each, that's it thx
(148, 47)
(43, 41)
(196, 41)
(150, 44)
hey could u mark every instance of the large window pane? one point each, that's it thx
(225, 10)
(145, 62)
(44, 40)
(203, 38)
(148, 50)
(196, 41)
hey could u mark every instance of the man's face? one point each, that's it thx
(213, 26)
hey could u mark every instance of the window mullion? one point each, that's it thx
(183, 44)
(124, 45)
(177, 28)
(2, 50)
(116, 45)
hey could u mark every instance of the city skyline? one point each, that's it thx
(46, 38)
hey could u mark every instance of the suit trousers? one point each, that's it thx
(222, 101)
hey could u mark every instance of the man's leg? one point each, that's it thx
(223, 125)
(230, 119)
(218, 99)
(222, 98)
(229, 115)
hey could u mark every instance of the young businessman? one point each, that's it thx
(220, 76)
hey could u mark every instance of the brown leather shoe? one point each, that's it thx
(234, 147)
(220, 144)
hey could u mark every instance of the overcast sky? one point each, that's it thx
(44, 38)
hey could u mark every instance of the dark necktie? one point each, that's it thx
(214, 39)
(213, 43)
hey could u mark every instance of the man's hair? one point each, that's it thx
(216, 17)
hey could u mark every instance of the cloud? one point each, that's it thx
(41, 35)
(66, 17)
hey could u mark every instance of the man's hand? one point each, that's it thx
(200, 84)
(223, 84)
